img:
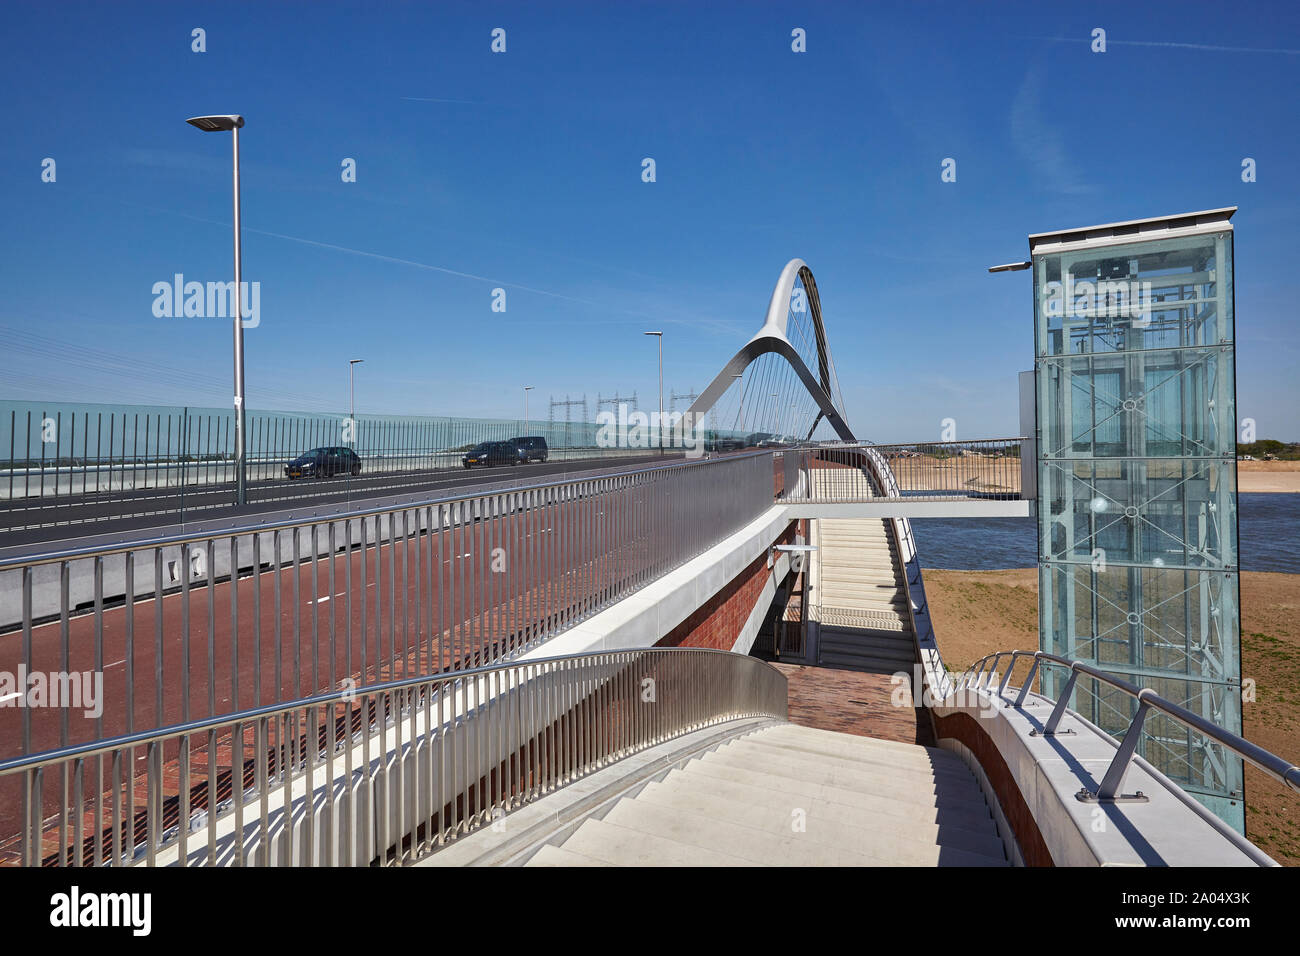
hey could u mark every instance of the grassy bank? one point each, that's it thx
(978, 612)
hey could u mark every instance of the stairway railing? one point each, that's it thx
(386, 773)
(980, 676)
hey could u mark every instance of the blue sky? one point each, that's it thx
(522, 170)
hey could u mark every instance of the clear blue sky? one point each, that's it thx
(523, 170)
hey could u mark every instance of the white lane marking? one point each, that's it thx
(325, 599)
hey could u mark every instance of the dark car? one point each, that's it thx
(715, 442)
(531, 448)
(324, 463)
(491, 453)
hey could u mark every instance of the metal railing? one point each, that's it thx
(215, 622)
(980, 675)
(923, 471)
(69, 464)
(382, 775)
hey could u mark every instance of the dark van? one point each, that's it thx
(532, 448)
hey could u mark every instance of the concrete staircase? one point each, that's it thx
(862, 604)
(794, 796)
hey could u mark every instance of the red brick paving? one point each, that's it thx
(853, 702)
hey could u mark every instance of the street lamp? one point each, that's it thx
(352, 402)
(774, 396)
(741, 412)
(660, 337)
(527, 389)
(232, 124)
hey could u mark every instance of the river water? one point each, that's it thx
(1268, 534)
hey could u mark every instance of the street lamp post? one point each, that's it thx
(741, 411)
(352, 402)
(660, 337)
(232, 124)
(527, 389)
(777, 405)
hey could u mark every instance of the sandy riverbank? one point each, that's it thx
(978, 612)
(1274, 476)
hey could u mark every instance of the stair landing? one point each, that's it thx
(853, 702)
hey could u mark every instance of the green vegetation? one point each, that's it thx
(1283, 451)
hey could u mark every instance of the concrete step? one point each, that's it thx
(865, 549)
(904, 841)
(814, 736)
(880, 783)
(840, 804)
(817, 740)
(892, 644)
(616, 845)
(887, 642)
(851, 599)
(866, 584)
(863, 664)
(871, 660)
(557, 856)
(864, 766)
(895, 765)
(845, 549)
(856, 540)
(719, 835)
(899, 658)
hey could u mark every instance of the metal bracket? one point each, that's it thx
(1087, 796)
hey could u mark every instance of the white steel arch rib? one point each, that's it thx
(772, 338)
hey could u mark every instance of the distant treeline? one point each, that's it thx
(1284, 451)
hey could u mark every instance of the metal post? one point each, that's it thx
(352, 403)
(660, 336)
(661, 392)
(241, 479)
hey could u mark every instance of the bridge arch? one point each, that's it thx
(773, 338)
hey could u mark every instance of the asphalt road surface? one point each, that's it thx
(63, 518)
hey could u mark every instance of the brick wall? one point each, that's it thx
(719, 621)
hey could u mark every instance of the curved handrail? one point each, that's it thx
(1269, 763)
(455, 727)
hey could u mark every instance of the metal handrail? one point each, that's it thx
(386, 591)
(29, 761)
(1270, 764)
(910, 444)
(287, 524)
(489, 740)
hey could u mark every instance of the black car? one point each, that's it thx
(716, 443)
(324, 463)
(491, 453)
(531, 448)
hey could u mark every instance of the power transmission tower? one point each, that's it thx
(614, 401)
(687, 397)
(569, 405)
